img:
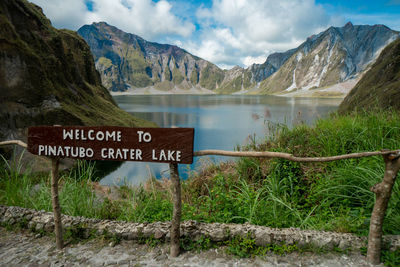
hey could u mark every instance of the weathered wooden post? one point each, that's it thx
(382, 191)
(177, 211)
(55, 202)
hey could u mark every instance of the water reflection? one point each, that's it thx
(220, 122)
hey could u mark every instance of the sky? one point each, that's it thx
(225, 32)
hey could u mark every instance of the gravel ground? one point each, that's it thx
(24, 248)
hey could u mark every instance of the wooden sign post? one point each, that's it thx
(177, 212)
(56, 203)
(163, 145)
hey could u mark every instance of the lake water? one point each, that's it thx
(220, 122)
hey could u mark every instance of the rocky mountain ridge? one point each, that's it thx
(128, 61)
(337, 56)
(331, 57)
(239, 79)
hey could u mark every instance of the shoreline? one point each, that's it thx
(126, 93)
(175, 91)
(337, 91)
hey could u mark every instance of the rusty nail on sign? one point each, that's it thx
(168, 145)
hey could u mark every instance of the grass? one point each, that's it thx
(391, 258)
(331, 196)
(245, 247)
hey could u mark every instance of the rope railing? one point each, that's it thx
(382, 190)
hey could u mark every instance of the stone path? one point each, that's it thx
(28, 249)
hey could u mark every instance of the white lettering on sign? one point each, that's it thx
(99, 136)
(145, 136)
(121, 154)
(163, 155)
(65, 151)
(90, 135)
(108, 153)
(80, 134)
(67, 134)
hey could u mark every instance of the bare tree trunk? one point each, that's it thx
(382, 191)
(176, 216)
(56, 204)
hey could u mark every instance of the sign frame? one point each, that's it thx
(161, 145)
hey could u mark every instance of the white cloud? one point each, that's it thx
(243, 30)
(142, 17)
(247, 61)
(69, 14)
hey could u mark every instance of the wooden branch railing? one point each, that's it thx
(382, 191)
(267, 154)
(14, 142)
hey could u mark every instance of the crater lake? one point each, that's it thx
(220, 122)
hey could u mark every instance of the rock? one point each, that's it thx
(39, 227)
(158, 234)
(40, 220)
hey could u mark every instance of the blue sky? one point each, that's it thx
(225, 32)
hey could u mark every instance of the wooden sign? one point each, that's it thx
(170, 145)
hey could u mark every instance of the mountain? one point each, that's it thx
(238, 78)
(128, 61)
(380, 86)
(274, 61)
(334, 56)
(48, 76)
(331, 61)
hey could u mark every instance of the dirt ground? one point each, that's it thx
(24, 248)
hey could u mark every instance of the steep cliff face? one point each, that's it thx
(274, 61)
(380, 86)
(333, 56)
(128, 61)
(47, 76)
(239, 79)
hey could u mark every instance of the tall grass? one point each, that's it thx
(336, 195)
(15, 184)
(76, 194)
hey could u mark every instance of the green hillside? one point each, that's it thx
(380, 86)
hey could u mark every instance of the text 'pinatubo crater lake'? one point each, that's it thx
(220, 122)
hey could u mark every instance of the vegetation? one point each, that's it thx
(177, 76)
(379, 87)
(194, 77)
(211, 77)
(140, 80)
(164, 86)
(105, 62)
(331, 196)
